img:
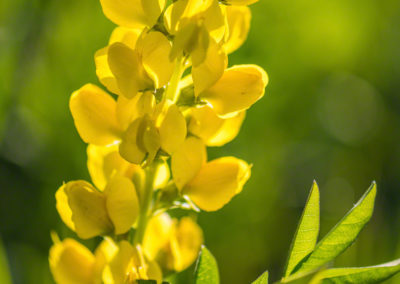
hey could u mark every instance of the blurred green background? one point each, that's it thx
(331, 113)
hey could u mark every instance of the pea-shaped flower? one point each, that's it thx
(139, 125)
(210, 185)
(71, 262)
(134, 61)
(91, 212)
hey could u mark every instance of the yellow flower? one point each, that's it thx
(174, 244)
(139, 125)
(238, 26)
(194, 23)
(134, 61)
(128, 265)
(238, 88)
(210, 185)
(104, 161)
(212, 129)
(133, 13)
(90, 212)
(72, 263)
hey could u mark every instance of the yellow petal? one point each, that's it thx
(104, 253)
(133, 13)
(238, 18)
(155, 49)
(122, 203)
(63, 207)
(72, 263)
(88, 207)
(118, 269)
(239, 2)
(214, 20)
(130, 109)
(211, 69)
(103, 71)
(217, 182)
(157, 235)
(129, 148)
(173, 14)
(187, 161)
(162, 176)
(192, 39)
(188, 238)
(127, 69)
(172, 130)
(212, 129)
(228, 130)
(104, 161)
(127, 36)
(94, 115)
(239, 87)
(151, 139)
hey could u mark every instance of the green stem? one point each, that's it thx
(172, 92)
(145, 208)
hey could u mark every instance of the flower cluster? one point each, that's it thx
(172, 95)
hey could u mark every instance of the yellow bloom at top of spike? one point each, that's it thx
(156, 115)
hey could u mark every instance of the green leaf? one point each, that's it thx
(263, 279)
(307, 231)
(206, 268)
(367, 275)
(342, 235)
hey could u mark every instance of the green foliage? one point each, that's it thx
(371, 274)
(263, 279)
(206, 269)
(342, 235)
(306, 259)
(307, 231)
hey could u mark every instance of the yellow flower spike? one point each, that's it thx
(133, 13)
(94, 115)
(239, 87)
(211, 69)
(155, 48)
(239, 2)
(238, 21)
(83, 209)
(122, 203)
(125, 64)
(213, 130)
(187, 161)
(103, 71)
(217, 182)
(72, 263)
(174, 244)
(172, 129)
